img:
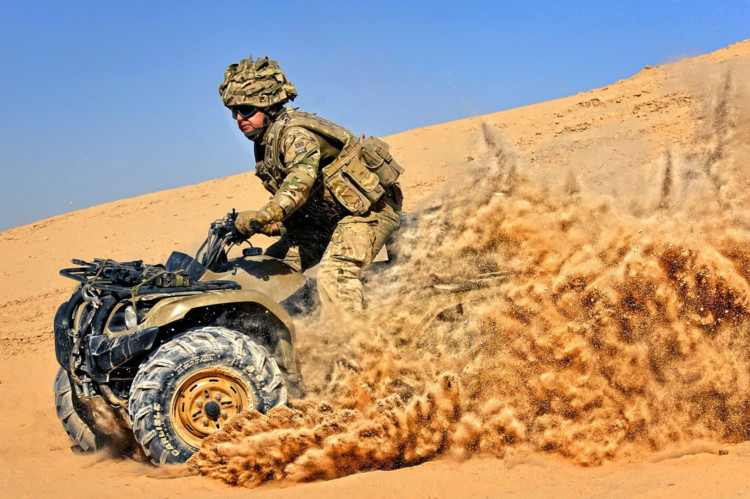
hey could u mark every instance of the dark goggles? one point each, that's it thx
(244, 111)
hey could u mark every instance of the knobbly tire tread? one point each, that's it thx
(76, 428)
(157, 376)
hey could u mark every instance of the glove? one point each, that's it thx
(235, 235)
(250, 222)
(274, 229)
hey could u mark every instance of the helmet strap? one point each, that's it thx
(256, 133)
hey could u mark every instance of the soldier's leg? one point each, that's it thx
(284, 249)
(354, 244)
(300, 249)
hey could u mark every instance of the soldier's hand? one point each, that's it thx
(235, 235)
(250, 222)
(273, 229)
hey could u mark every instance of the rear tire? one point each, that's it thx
(192, 385)
(76, 428)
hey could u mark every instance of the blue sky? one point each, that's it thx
(103, 100)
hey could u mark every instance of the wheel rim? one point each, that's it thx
(205, 401)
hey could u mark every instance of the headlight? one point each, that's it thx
(124, 318)
(131, 318)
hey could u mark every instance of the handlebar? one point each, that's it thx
(222, 235)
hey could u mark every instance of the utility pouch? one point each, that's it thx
(352, 182)
(379, 161)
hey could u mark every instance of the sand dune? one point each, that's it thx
(662, 153)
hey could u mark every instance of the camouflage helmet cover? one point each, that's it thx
(260, 83)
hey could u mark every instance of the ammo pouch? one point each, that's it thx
(359, 176)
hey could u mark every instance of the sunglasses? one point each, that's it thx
(244, 111)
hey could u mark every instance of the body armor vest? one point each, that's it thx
(353, 172)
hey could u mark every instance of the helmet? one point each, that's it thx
(259, 83)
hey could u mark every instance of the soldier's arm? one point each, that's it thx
(300, 153)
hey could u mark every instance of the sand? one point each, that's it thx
(634, 145)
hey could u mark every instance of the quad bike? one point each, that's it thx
(167, 354)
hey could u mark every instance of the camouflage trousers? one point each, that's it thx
(343, 253)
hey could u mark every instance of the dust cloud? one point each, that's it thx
(519, 319)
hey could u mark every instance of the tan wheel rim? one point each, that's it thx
(205, 401)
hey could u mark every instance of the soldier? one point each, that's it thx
(335, 197)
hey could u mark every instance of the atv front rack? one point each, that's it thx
(134, 278)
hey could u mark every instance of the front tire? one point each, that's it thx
(192, 385)
(76, 428)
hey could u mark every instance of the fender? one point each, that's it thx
(170, 310)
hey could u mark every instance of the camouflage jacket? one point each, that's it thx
(289, 160)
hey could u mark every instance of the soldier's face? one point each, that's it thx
(252, 123)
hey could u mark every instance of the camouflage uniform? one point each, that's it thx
(335, 195)
(318, 228)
